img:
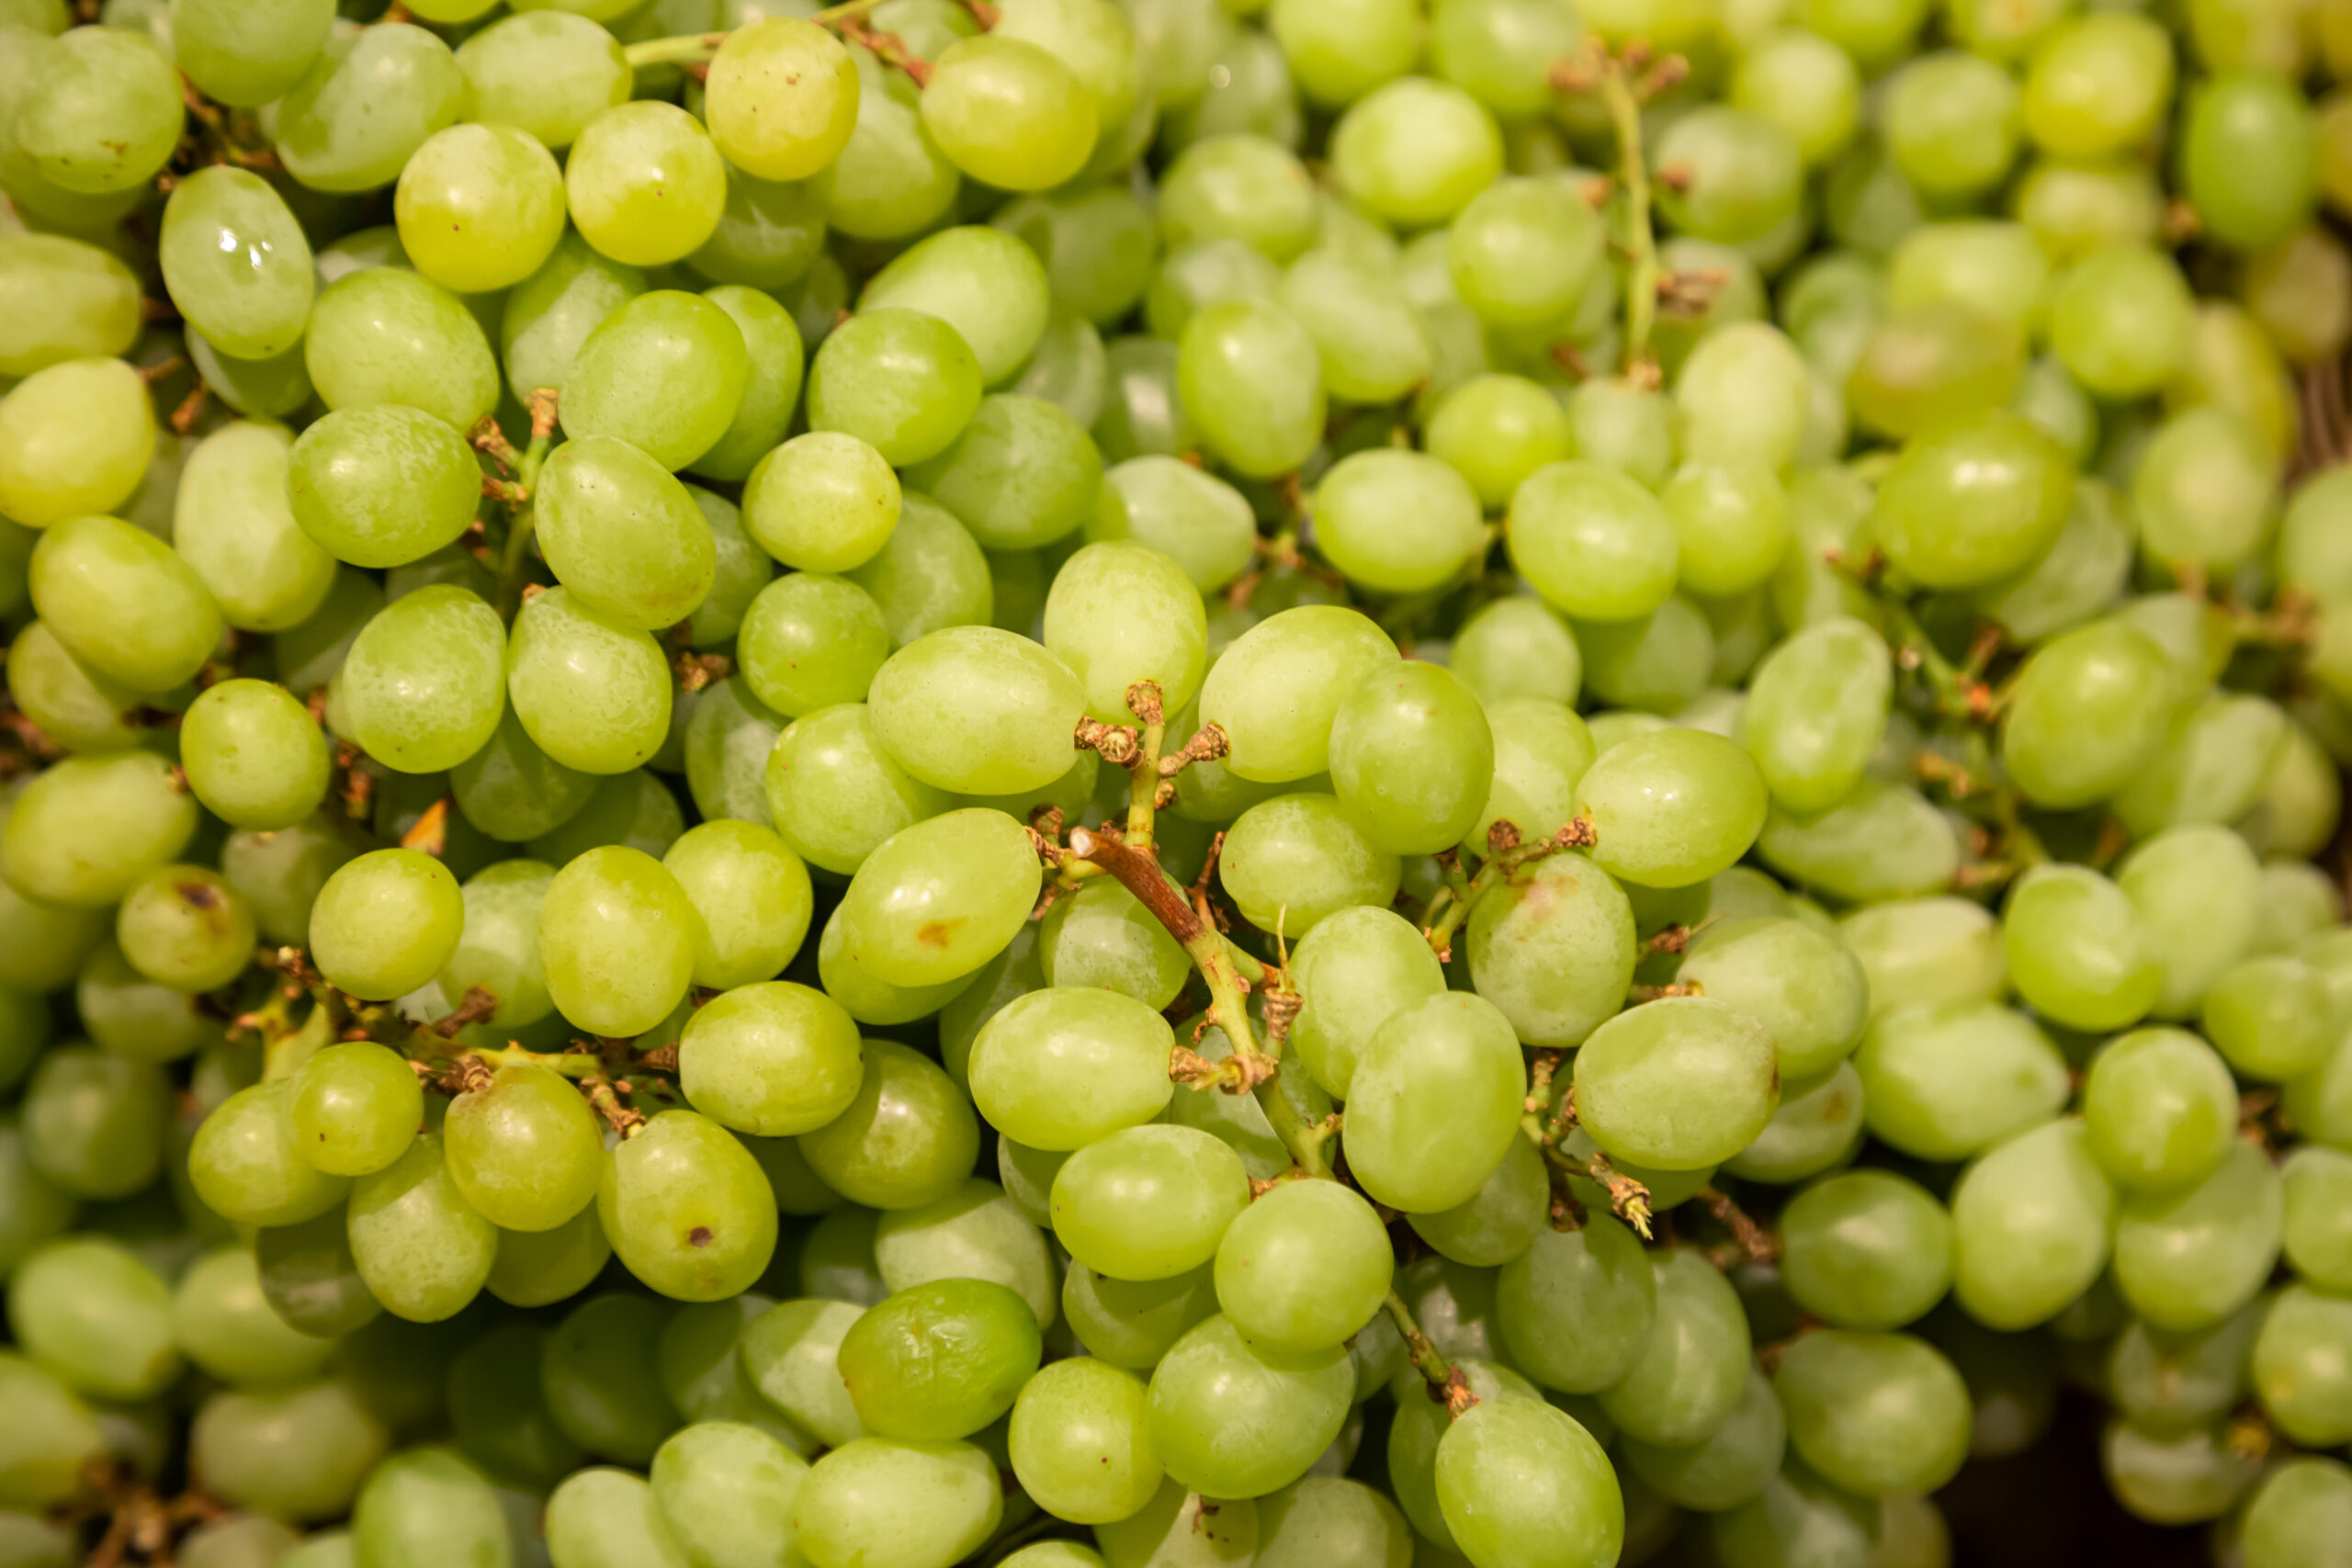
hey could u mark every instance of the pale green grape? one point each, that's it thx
(875, 1503)
(1352, 970)
(1947, 1079)
(1414, 151)
(524, 1150)
(666, 373)
(625, 538)
(296, 1453)
(781, 98)
(309, 1279)
(593, 693)
(1251, 382)
(1063, 1067)
(248, 55)
(938, 1361)
(1689, 1373)
(386, 335)
(1373, 344)
(422, 689)
(940, 899)
(356, 1108)
(1741, 398)
(976, 1232)
(183, 926)
(1495, 430)
(1229, 1420)
(687, 1209)
(1499, 1221)
(428, 1506)
(1672, 808)
(1295, 860)
(1801, 983)
(2194, 889)
(1132, 1325)
(2188, 1259)
(513, 791)
(2298, 1514)
(1677, 1084)
(88, 574)
(1817, 712)
(1240, 187)
(726, 1489)
(1276, 690)
(986, 285)
(547, 72)
(617, 934)
(1119, 613)
(90, 1312)
(1971, 501)
(233, 525)
(52, 1438)
(2240, 122)
(1434, 1103)
(645, 184)
(1190, 278)
(2270, 1017)
(236, 262)
(1102, 937)
(1303, 1268)
(2074, 949)
(367, 102)
(902, 382)
(2212, 767)
(977, 710)
(935, 1135)
(1006, 111)
(1081, 1440)
(2030, 1223)
(1878, 1414)
(87, 827)
(2205, 490)
(752, 893)
(62, 300)
(550, 314)
(788, 1355)
(422, 1249)
(1866, 1250)
(892, 180)
(2313, 1222)
(2121, 320)
(380, 486)
(480, 207)
(1592, 541)
(225, 1326)
(1884, 841)
(836, 794)
(102, 113)
(1553, 948)
(1522, 1483)
(1149, 1202)
(2089, 711)
(774, 1059)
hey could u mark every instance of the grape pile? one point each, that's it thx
(1169, 784)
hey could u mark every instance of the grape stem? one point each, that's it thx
(1249, 1067)
(1624, 85)
(1145, 701)
(1505, 855)
(1447, 1383)
(516, 555)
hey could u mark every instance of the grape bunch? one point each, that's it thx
(1173, 784)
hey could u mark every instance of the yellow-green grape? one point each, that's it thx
(687, 1209)
(75, 438)
(781, 98)
(1006, 111)
(122, 603)
(480, 207)
(369, 101)
(592, 692)
(645, 184)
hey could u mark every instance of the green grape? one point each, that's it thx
(2121, 320)
(774, 1059)
(309, 655)
(1081, 1440)
(1413, 1144)
(1816, 713)
(74, 708)
(1500, 1221)
(428, 1506)
(248, 56)
(2030, 1221)
(1009, 112)
(236, 262)
(233, 524)
(381, 486)
(1100, 937)
(52, 1437)
(940, 899)
(2240, 122)
(524, 1149)
(1021, 474)
(101, 115)
(626, 539)
(593, 691)
(823, 501)
(1973, 502)
(248, 1161)
(423, 1250)
(294, 1453)
(617, 936)
(892, 180)
(92, 1314)
(550, 314)
(1119, 614)
(1190, 278)
(2174, 1478)
(645, 183)
(513, 791)
(2298, 1366)
(2081, 574)
(1292, 862)
(1671, 809)
(633, 809)
(1520, 1482)
(1272, 689)
(788, 1353)
(129, 1015)
(1553, 948)
(1071, 371)
(1232, 1421)
(309, 1278)
(356, 1108)
(1523, 251)
(1802, 984)
(63, 299)
(727, 1489)
(1352, 971)
(1420, 1426)
(1097, 247)
(1149, 1203)
(666, 373)
(1866, 1250)
(37, 1209)
(1411, 753)
(2194, 890)
(2313, 1225)
(1658, 663)
(547, 73)
(977, 710)
(2297, 902)
(1739, 175)
(939, 1361)
(421, 685)
(387, 335)
(836, 794)
(2297, 1514)
(752, 895)
(1303, 1268)
(769, 396)
(2188, 1259)
(902, 382)
(1689, 1373)
(982, 282)
(2089, 712)
(976, 1232)
(2268, 1017)
(1740, 399)
(1948, 1080)
(1132, 1325)
(1878, 1414)
(1950, 123)
(1678, 1085)
(497, 1414)
(369, 99)
(224, 1324)
(1541, 750)
(1413, 152)
(2074, 949)
(1592, 541)
(1401, 522)
(2206, 492)
(183, 926)
(87, 827)
(1730, 522)
(2098, 84)
(1372, 344)
(2233, 365)
(878, 1504)
(1495, 430)
(769, 236)
(386, 923)
(1245, 187)
(1804, 84)
(499, 194)
(781, 98)
(1251, 382)
(935, 1135)
(122, 604)
(687, 1208)
(1063, 1067)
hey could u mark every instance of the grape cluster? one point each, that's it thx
(1167, 784)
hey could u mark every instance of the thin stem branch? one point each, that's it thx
(1642, 277)
(1144, 702)
(1445, 1381)
(515, 555)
